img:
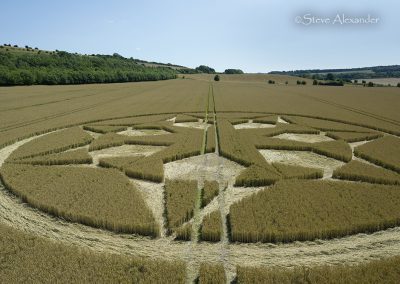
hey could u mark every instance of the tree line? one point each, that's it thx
(31, 67)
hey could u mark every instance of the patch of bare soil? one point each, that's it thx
(302, 158)
(197, 124)
(202, 167)
(309, 138)
(95, 135)
(251, 124)
(172, 119)
(281, 120)
(124, 151)
(356, 144)
(142, 132)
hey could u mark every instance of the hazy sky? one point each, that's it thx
(254, 35)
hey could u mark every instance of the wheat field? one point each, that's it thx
(207, 197)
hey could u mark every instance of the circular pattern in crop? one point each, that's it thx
(222, 178)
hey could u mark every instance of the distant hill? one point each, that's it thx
(30, 66)
(250, 78)
(391, 71)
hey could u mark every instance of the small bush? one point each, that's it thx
(216, 78)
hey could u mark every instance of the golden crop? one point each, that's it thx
(383, 152)
(353, 136)
(359, 171)
(211, 228)
(211, 273)
(80, 156)
(52, 143)
(29, 258)
(96, 197)
(210, 190)
(104, 128)
(180, 197)
(376, 271)
(314, 209)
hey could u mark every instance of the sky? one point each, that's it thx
(252, 35)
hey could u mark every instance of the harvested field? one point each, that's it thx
(303, 159)
(253, 125)
(124, 151)
(196, 125)
(314, 209)
(339, 149)
(207, 165)
(308, 138)
(142, 132)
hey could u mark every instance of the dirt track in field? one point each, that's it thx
(347, 250)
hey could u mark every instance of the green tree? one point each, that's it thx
(233, 71)
(330, 77)
(205, 69)
(315, 82)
